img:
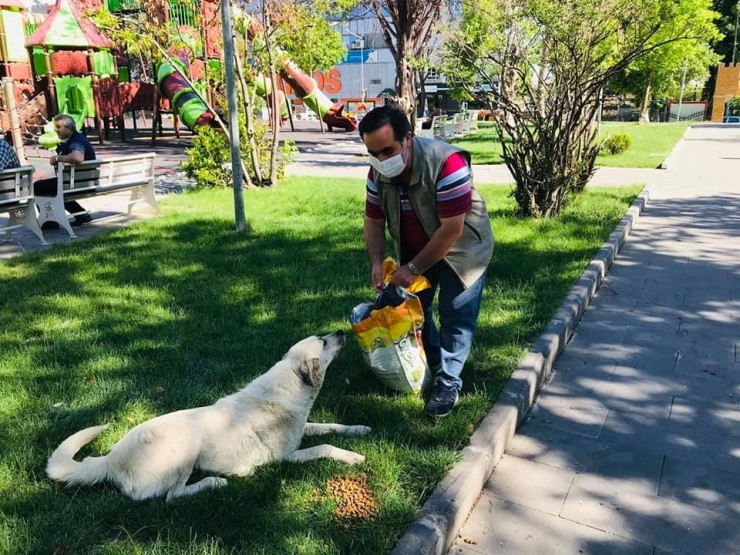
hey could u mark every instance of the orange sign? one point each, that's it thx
(330, 83)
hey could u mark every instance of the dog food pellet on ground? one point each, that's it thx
(353, 496)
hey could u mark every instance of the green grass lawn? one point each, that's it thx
(180, 310)
(483, 144)
(651, 144)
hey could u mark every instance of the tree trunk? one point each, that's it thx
(249, 118)
(274, 102)
(406, 88)
(407, 28)
(645, 105)
(542, 74)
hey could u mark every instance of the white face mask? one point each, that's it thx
(390, 167)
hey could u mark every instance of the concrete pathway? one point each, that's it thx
(634, 445)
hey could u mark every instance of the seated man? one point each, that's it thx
(8, 156)
(73, 148)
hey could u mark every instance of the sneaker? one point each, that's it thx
(50, 225)
(441, 398)
(81, 219)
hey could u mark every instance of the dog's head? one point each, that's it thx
(314, 354)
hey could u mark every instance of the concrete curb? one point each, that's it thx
(666, 164)
(448, 507)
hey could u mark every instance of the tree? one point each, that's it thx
(659, 73)
(728, 10)
(288, 34)
(135, 33)
(541, 69)
(407, 27)
(306, 36)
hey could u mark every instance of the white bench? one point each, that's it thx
(421, 132)
(100, 177)
(16, 198)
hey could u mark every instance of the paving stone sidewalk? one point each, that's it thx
(634, 445)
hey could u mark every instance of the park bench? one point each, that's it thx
(424, 128)
(16, 198)
(448, 127)
(100, 177)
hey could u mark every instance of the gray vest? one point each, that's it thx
(472, 252)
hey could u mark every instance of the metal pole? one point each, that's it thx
(362, 71)
(362, 64)
(734, 44)
(236, 160)
(680, 95)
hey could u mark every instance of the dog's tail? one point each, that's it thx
(63, 468)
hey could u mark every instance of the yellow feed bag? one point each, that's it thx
(388, 332)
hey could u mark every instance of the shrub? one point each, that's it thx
(614, 144)
(735, 106)
(209, 159)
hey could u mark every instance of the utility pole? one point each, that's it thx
(236, 159)
(361, 40)
(683, 82)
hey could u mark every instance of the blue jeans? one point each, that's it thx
(458, 309)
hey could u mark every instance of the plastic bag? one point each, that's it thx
(389, 334)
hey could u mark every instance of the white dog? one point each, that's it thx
(262, 423)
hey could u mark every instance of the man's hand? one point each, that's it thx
(403, 277)
(376, 276)
(53, 159)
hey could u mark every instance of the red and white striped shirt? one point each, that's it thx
(454, 197)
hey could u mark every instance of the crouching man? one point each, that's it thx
(421, 189)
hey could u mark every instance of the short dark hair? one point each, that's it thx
(384, 115)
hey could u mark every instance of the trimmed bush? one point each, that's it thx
(735, 106)
(619, 142)
(209, 158)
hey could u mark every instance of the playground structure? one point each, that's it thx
(61, 63)
(305, 87)
(75, 68)
(182, 83)
(173, 85)
(15, 71)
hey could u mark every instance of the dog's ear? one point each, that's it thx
(310, 372)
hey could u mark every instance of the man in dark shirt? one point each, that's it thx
(74, 148)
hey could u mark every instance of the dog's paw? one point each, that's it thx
(219, 482)
(353, 458)
(359, 430)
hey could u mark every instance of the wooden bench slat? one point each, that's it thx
(23, 191)
(102, 189)
(6, 202)
(105, 175)
(16, 182)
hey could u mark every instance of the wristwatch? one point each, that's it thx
(413, 268)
